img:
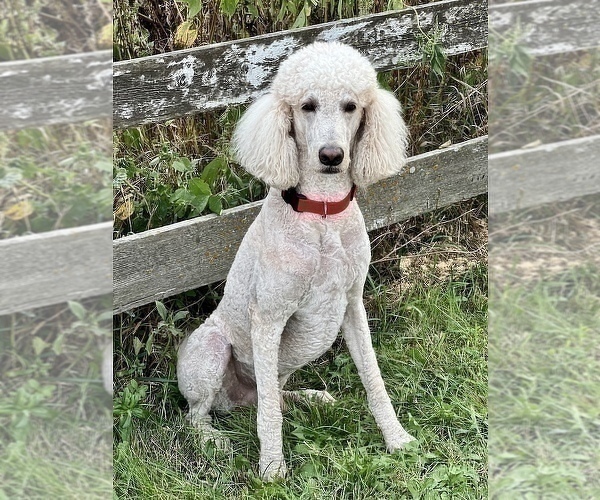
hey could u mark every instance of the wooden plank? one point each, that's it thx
(156, 88)
(546, 174)
(548, 26)
(50, 268)
(430, 180)
(183, 256)
(65, 89)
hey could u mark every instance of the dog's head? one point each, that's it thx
(324, 112)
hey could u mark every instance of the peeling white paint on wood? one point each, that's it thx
(237, 72)
(261, 56)
(547, 27)
(337, 32)
(64, 89)
(183, 77)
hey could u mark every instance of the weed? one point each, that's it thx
(530, 96)
(54, 416)
(127, 408)
(544, 312)
(53, 178)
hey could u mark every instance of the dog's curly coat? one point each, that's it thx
(324, 125)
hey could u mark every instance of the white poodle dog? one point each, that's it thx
(324, 128)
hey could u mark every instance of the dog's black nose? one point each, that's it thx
(331, 156)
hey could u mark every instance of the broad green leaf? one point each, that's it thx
(149, 343)
(198, 187)
(199, 203)
(215, 205)
(39, 345)
(194, 6)
(162, 310)
(181, 196)
(180, 315)
(137, 345)
(77, 309)
(57, 345)
(228, 7)
(252, 10)
(182, 165)
(212, 170)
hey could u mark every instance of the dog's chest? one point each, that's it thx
(313, 328)
(337, 266)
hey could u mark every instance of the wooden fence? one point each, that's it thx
(69, 264)
(182, 256)
(557, 171)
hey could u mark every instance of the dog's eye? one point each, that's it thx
(309, 106)
(350, 107)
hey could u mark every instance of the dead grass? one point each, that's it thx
(540, 243)
(433, 248)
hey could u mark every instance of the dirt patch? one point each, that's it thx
(545, 242)
(433, 248)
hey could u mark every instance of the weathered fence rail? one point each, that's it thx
(47, 91)
(547, 27)
(183, 256)
(557, 171)
(548, 173)
(156, 88)
(50, 268)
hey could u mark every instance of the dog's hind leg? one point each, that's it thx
(202, 362)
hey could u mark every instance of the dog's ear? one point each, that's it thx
(380, 147)
(263, 142)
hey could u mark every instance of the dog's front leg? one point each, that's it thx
(265, 346)
(355, 329)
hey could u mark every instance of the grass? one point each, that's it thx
(65, 459)
(431, 345)
(55, 439)
(544, 388)
(544, 356)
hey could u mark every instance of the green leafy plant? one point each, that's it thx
(128, 407)
(24, 405)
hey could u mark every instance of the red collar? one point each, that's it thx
(301, 203)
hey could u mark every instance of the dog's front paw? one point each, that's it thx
(398, 441)
(271, 469)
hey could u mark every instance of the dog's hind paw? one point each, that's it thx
(310, 395)
(319, 396)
